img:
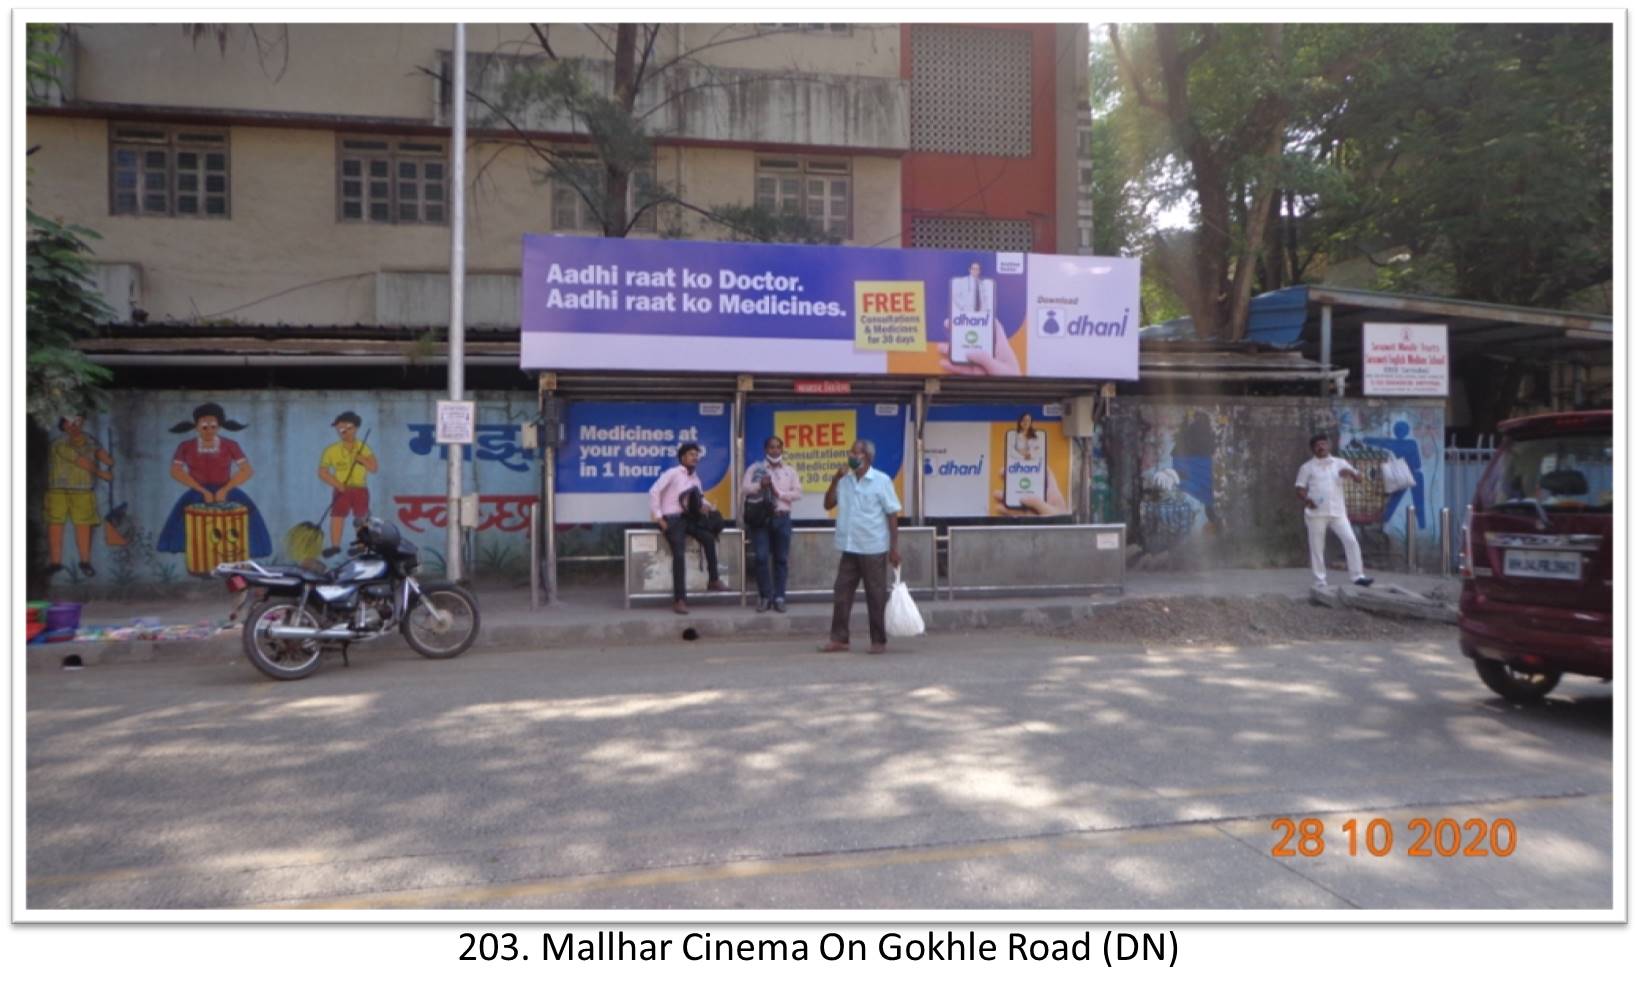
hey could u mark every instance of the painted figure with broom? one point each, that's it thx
(345, 466)
(75, 465)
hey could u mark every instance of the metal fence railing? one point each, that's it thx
(1464, 465)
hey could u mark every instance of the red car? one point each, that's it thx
(1538, 561)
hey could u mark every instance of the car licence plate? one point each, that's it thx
(1541, 564)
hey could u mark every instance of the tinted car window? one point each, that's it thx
(1565, 473)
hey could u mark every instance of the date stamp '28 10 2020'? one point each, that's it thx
(1445, 838)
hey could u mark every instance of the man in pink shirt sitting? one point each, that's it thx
(668, 502)
(778, 486)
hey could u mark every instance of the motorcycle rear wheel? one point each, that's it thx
(451, 638)
(283, 660)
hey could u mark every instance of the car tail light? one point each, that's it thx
(1466, 569)
(236, 583)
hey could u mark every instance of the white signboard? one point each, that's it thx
(1407, 360)
(457, 422)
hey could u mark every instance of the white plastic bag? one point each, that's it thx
(1396, 476)
(903, 618)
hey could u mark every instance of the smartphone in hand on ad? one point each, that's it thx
(972, 317)
(1026, 469)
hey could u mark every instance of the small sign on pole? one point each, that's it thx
(457, 422)
(1407, 360)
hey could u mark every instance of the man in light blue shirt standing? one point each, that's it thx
(867, 537)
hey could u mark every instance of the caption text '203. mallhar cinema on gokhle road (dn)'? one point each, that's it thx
(976, 374)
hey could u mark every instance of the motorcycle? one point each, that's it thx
(295, 613)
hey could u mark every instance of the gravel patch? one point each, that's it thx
(1259, 620)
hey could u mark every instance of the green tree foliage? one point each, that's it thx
(1487, 165)
(62, 308)
(45, 61)
(1471, 159)
(1213, 111)
(63, 305)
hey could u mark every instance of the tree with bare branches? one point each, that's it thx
(611, 103)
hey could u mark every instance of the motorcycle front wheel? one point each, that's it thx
(285, 660)
(443, 623)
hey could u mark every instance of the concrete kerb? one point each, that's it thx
(507, 626)
(639, 626)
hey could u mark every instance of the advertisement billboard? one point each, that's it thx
(996, 460)
(615, 450)
(640, 304)
(817, 437)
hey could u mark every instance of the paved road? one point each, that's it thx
(992, 769)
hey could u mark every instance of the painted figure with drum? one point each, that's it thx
(214, 520)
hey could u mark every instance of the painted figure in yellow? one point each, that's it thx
(75, 465)
(345, 466)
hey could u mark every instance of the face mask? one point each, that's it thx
(854, 462)
(774, 461)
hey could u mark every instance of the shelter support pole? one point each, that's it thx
(548, 495)
(918, 453)
(736, 460)
(737, 445)
(1325, 340)
(1080, 505)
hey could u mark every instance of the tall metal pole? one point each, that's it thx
(457, 287)
(1325, 345)
(1444, 542)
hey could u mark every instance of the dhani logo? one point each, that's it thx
(1083, 325)
(955, 468)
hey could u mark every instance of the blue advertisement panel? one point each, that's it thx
(615, 450)
(636, 304)
(996, 460)
(817, 437)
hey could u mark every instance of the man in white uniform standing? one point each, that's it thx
(1319, 485)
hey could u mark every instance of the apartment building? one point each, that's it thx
(297, 176)
(274, 206)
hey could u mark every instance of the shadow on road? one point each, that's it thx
(207, 786)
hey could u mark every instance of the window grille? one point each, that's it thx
(970, 91)
(995, 234)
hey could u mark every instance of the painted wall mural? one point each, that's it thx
(277, 475)
(1212, 480)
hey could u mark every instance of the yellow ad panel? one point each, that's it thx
(816, 443)
(890, 316)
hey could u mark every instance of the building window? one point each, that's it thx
(168, 172)
(393, 181)
(820, 190)
(571, 213)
